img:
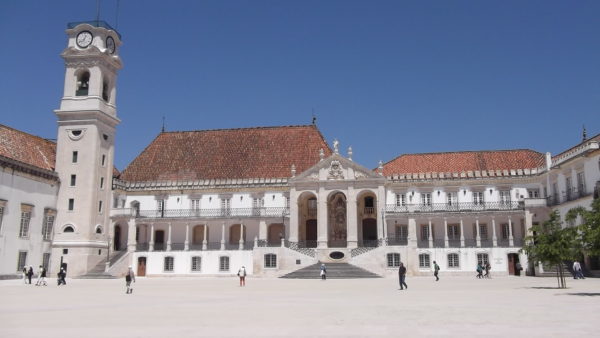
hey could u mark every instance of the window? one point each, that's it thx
(451, 198)
(225, 206)
(2, 205)
(98, 229)
(258, 202)
(424, 262)
(505, 197)
(505, 231)
(74, 158)
(100, 207)
(478, 197)
(287, 201)
(195, 204)
(533, 193)
(426, 198)
(483, 232)
(46, 261)
(71, 204)
(400, 200)
(69, 228)
(482, 258)
(103, 160)
(73, 180)
(196, 263)
(581, 184)
(270, 261)
(425, 232)
(223, 263)
(401, 231)
(169, 263)
(49, 216)
(105, 91)
(101, 182)
(160, 207)
(453, 260)
(83, 84)
(453, 231)
(569, 188)
(22, 260)
(25, 219)
(393, 260)
(66, 251)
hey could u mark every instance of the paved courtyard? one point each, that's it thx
(269, 307)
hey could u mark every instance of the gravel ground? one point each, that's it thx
(269, 307)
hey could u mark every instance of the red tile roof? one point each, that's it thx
(264, 152)
(27, 148)
(463, 161)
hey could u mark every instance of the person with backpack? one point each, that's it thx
(323, 272)
(479, 270)
(436, 269)
(242, 274)
(129, 277)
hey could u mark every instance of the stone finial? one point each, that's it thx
(380, 167)
(321, 154)
(293, 170)
(584, 136)
(350, 153)
(336, 146)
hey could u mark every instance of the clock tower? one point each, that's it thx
(87, 121)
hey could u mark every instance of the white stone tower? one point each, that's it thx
(87, 121)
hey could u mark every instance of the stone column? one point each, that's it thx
(528, 223)
(241, 242)
(477, 234)
(186, 244)
(381, 211)
(446, 244)
(293, 237)
(511, 240)
(430, 234)
(223, 236)
(351, 219)
(151, 244)
(494, 237)
(169, 238)
(131, 241)
(462, 233)
(262, 230)
(205, 238)
(412, 232)
(322, 218)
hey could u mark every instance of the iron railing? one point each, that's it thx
(454, 207)
(203, 213)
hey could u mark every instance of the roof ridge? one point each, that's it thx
(242, 128)
(28, 134)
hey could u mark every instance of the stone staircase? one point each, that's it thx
(98, 271)
(334, 271)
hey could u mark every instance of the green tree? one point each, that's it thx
(552, 244)
(589, 228)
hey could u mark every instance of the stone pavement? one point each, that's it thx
(269, 307)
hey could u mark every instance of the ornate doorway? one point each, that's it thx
(337, 229)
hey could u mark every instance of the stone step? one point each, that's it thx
(334, 271)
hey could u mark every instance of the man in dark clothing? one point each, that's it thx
(436, 269)
(30, 273)
(402, 276)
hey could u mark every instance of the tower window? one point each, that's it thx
(73, 180)
(103, 160)
(101, 182)
(74, 158)
(105, 91)
(71, 204)
(83, 84)
(100, 206)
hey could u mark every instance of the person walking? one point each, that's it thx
(323, 272)
(577, 271)
(402, 276)
(479, 270)
(24, 274)
(43, 277)
(436, 270)
(30, 273)
(488, 267)
(61, 277)
(242, 274)
(39, 279)
(129, 277)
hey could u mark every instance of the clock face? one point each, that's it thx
(84, 39)
(110, 44)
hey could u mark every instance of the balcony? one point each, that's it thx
(454, 207)
(202, 213)
(369, 211)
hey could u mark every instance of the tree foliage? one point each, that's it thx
(552, 244)
(589, 228)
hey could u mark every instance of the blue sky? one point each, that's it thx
(386, 77)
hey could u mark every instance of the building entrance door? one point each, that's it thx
(369, 229)
(117, 238)
(159, 240)
(141, 270)
(513, 259)
(311, 232)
